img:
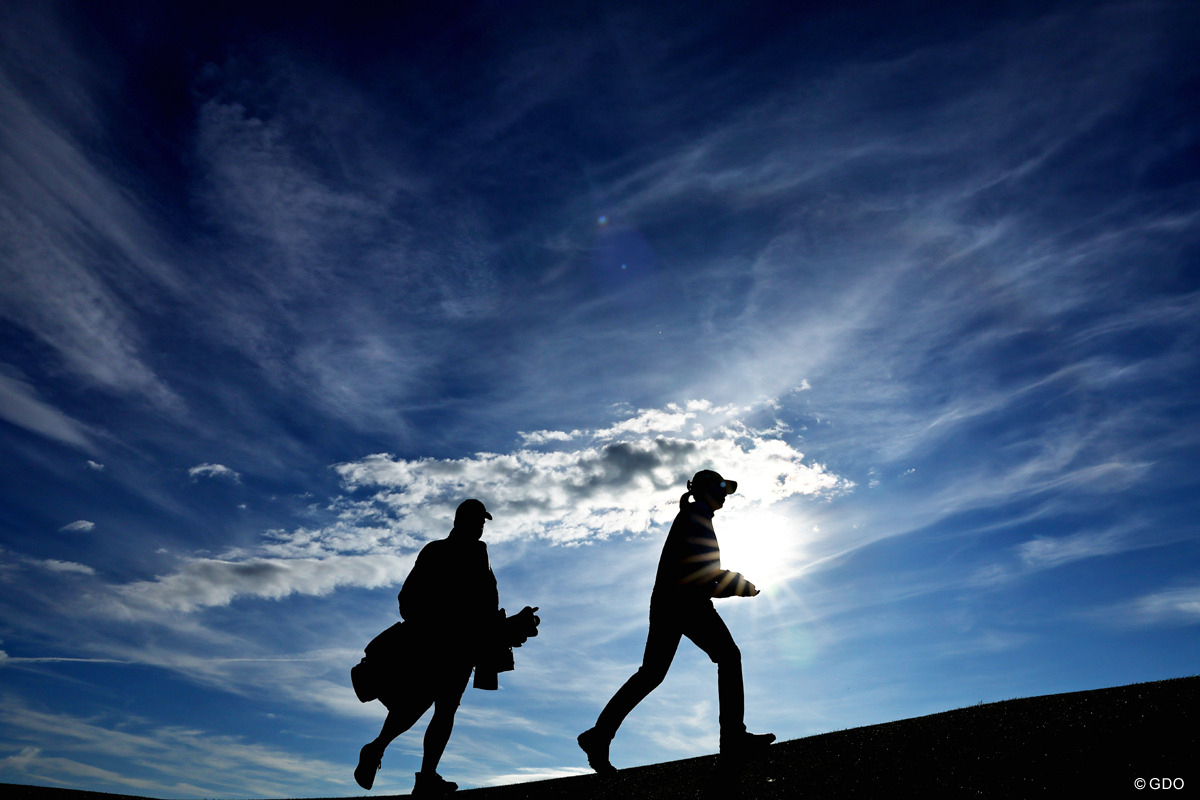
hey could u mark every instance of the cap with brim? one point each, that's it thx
(471, 509)
(707, 480)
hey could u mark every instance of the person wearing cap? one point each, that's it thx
(453, 623)
(689, 577)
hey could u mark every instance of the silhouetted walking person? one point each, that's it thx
(689, 577)
(452, 623)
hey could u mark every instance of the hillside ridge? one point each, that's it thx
(1097, 740)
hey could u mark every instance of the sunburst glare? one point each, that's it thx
(767, 548)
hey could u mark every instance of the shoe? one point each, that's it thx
(369, 759)
(595, 745)
(745, 743)
(430, 784)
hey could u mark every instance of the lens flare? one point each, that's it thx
(764, 547)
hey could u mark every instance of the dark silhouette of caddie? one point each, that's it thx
(689, 577)
(452, 623)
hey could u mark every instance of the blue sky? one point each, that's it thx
(278, 290)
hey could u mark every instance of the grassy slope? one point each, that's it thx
(1096, 742)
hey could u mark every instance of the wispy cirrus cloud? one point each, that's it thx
(20, 405)
(75, 243)
(365, 254)
(203, 583)
(69, 747)
(1045, 552)
(1175, 606)
(55, 565)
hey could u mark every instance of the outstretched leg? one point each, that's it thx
(662, 641)
(403, 713)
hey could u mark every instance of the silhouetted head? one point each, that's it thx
(709, 488)
(470, 517)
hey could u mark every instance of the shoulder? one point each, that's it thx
(435, 546)
(431, 549)
(691, 517)
(432, 554)
(440, 550)
(684, 517)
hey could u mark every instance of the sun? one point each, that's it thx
(766, 548)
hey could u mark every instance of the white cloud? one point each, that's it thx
(21, 761)
(78, 525)
(622, 479)
(95, 465)
(213, 471)
(536, 438)
(54, 565)
(649, 420)
(1045, 552)
(204, 583)
(1179, 606)
(20, 405)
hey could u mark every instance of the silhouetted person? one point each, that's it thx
(689, 577)
(452, 623)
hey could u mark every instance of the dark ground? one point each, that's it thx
(1096, 743)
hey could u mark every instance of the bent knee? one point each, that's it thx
(727, 655)
(651, 677)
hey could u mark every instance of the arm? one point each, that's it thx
(698, 563)
(702, 561)
(734, 584)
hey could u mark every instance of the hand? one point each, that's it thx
(520, 627)
(751, 590)
(534, 620)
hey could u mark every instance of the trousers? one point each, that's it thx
(443, 688)
(701, 623)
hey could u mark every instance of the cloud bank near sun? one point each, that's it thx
(557, 488)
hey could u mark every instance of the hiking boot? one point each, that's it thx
(745, 743)
(369, 759)
(430, 784)
(595, 745)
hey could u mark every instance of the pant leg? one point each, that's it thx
(441, 685)
(662, 641)
(710, 633)
(404, 709)
(448, 695)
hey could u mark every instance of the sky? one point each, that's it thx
(279, 288)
